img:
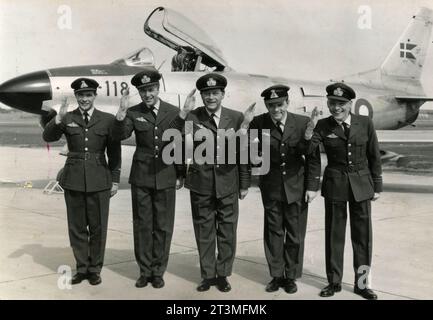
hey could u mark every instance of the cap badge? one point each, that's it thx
(83, 84)
(145, 79)
(211, 82)
(273, 94)
(338, 92)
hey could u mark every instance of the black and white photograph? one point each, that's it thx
(235, 150)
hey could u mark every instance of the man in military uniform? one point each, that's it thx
(87, 179)
(153, 182)
(215, 185)
(283, 187)
(353, 175)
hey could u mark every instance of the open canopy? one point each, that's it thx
(182, 35)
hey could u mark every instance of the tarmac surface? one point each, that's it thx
(34, 242)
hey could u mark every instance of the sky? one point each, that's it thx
(308, 39)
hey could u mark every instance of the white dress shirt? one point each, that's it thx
(283, 122)
(217, 116)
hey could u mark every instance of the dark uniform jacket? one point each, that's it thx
(285, 180)
(86, 168)
(148, 169)
(354, 163)
(216, 179)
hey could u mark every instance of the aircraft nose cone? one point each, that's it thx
(27, 92)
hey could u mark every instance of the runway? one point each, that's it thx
(33, 233)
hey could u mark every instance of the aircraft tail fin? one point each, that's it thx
(406, 58)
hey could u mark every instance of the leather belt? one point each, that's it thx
(349, 168)
(86, 155)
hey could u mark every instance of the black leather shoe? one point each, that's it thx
(142, 282)
(365, 293)
(274, 285)
(158, 282)
(223, 285)
(78, 277)
(205, 285)
(290, 286)
(94, 278)
(330, 289)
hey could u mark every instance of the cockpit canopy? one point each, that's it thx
(193, 46)
(142, 57)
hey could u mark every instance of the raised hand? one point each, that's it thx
(249, 114)
(124, 105)
(312, 123)
(189, 104)
(314, 116)
(63, 108)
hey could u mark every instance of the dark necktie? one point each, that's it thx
(346, 129)
(152, 112)
(212, 120)
(86, 117)
(278, 124)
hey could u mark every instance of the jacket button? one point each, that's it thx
(282, 144)
(349, 145)
(156, 128)
(217, 165)
(284, 173)
(156, 156)
(282, 154)
(350, 162)
(156, 147)
(86, 149)
(156, 137)
(86, 139)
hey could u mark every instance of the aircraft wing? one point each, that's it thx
(405, 136)
(413, 98)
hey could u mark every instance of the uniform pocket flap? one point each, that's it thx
(141, 156)
(361, 141)
(332, 173)
(364, 172)
(73, 130)
(101, 132)
(141, 126)
(70, 161)
(101, 161)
